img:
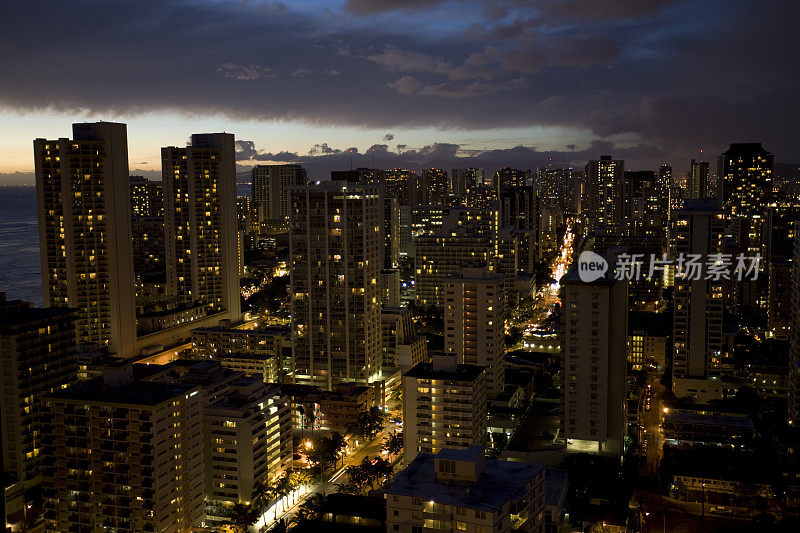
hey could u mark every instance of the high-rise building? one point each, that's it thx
(645, 207)
(595, 325)
(335, 248)
(435, 182)
(664, 182)
(390, 229)
(697, 186)
(149, 260)
(397, 183)
(474, 324)
(244, 214)
(550, 222)
(467, 236)
(665, 176)
(697, 330)
(745, 191)
(390, 287)
(794, 336)
(82, 190)
(461, 490)
(124, 455)
(745, 179)
(444, 406)
(605, 194)
(479, 197)
(464, 179)
(201, 223)
(781, 233)
(37, 354)
(147, 197)
(271, 193)
(402, 348)
(247, 437)
(520, 209)
(557, 185)
(506, 178)
(438, 257)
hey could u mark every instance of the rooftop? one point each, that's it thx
(555, 486)
(462, 372)
(146, 393)
(684, 417)
(572, 276)
(471, 454)
(19, 312)
(501, 481)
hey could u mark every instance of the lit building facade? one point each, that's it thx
(605, 195)
(474, 324)
(38, 357)
(461, 490)
(147, 197)
(247, 440)
(271, 193)
(444, 406)
(82, 191)
(697, 331)
(124, 455)
(595, 325)
(335, 249)
(201, 235)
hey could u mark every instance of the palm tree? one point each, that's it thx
(297, 478)
(316, 502)
(279, 527)
(393, 444)
(241, 518)
(383, 468)
(337, 444)
(312, 417)
(282, 488)
(262, 495)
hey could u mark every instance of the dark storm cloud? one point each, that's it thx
(672, 76)
(370, 7)
(501, 8)
(321, 159)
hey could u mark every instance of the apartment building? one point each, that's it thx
(460, 490)
(444, 406)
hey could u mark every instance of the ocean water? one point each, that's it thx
(20, 271)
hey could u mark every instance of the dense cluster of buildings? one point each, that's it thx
(140, 399)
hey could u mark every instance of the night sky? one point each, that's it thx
(417, 82)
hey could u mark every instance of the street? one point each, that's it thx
(330, 485)
(653, 437)
(546, 296)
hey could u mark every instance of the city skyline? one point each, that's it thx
(410, 266)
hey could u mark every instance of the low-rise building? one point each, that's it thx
(461, 490)
(703, 427)
(335, 410)
(643, 348)
(214, 342)
(555, 499)
(266, 367)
